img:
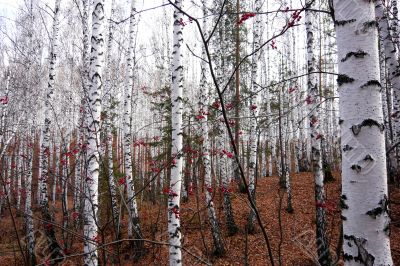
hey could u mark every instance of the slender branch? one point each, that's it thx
(195, 55)
(138, 12)
(392, 148)
(216, 24)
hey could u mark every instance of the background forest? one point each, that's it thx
(197, 132)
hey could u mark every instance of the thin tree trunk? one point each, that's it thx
(134, 230)
(174, 228)
(54, 247)
(109, 121)
(313, 100)
(237, 97)
(219, 248)
(28, 206)
(393, 70)
(254, 102)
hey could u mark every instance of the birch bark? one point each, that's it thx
(90, 228)
(54, 248)
(393, 72)
(134, 230)
(364, 199)
(28, 207)
(174, 227)
(254, 102)
(219, 248)
(315, 122)
(109, 127)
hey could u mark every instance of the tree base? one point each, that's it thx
(219, 252)
(328, 176)
(289, 209)
(232, 230)
(242, 188)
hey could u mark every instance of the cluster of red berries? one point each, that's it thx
(4, 100)
(295, 18)
(228, 154)
(245, 17)
(169, 192)
(273, 45)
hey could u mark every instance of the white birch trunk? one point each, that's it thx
(393, 72)
(77, 184)
(18, 174)
(395, 24)
(219, 248)
(28, 207)
(90, 229)
(174, 227)
(254, 102)
(55, 176)
(44, 173)
(86, 83)
(108, 128)
(364, 197)
(134, 230)
(316, 137)
(223, 162)
(64, 190)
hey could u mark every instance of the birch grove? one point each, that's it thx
(199, 132)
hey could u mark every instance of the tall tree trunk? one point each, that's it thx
(109, 123)
(313, 100)
(237, 98)
(395, 24)
(28, 206)
(134, 230)
(90, 228)
(55, 175)
(393, 71)
(174, 227)
(54, 247)
(364, 197)
(77, 182)
(219, 248)
(64, 191)
(254, 102)
(86, 83)
(18, 174)
(221, 169)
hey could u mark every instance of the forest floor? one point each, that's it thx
(292, 237)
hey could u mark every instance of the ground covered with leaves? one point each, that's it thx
(291, 235)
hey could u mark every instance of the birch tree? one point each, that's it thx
(223, 160)
(133, 222)
(315, 122)
(391, 59)
(254, 102)
(364, 199)
(54, 247)
(219, 248)
(108, 126)
(28, 205)
(90, 229)
(174, 225)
